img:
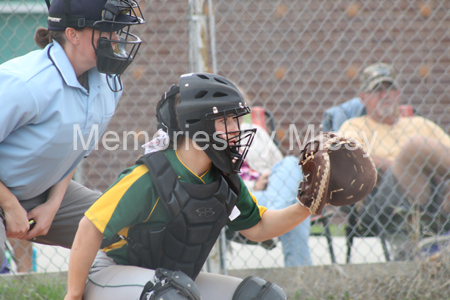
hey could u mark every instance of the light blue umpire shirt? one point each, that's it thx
(48, 121)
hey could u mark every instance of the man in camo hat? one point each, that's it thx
(412, 155)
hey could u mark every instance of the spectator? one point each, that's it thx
(411, 154)
(273, 180)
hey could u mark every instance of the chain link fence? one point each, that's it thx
(296, 59)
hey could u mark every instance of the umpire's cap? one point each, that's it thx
(84, 13)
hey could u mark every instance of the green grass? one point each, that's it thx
(32, 289)
(334, 230)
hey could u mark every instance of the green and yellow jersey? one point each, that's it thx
(133, 199)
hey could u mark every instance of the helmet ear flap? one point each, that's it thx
(165, 111)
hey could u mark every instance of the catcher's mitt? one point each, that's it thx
(336, 171)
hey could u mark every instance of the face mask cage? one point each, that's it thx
(234, 143)
(116, 50)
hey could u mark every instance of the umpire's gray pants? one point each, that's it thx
(107, 280)
(76, 201)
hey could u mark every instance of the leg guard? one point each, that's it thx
(255, 288)
(170, 285)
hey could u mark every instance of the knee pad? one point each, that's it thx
(255, 288)
(170, 285)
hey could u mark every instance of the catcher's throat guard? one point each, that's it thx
(336, 170)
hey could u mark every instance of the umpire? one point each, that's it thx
(46, 95)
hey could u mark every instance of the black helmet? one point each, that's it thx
(204, 99)
(105, 16)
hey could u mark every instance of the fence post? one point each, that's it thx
(198, 52)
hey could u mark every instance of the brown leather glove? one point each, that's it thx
(336, 171)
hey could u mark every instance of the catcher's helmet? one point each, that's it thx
(105, 16)
(204, 98)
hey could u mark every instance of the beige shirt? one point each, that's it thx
(386, 141)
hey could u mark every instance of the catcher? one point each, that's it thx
(157, 224)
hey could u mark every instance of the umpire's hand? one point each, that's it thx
(15, 219)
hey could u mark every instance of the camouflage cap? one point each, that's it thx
(376, 74)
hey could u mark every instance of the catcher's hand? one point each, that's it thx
(336, 171)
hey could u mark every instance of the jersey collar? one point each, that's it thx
(184, 173)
